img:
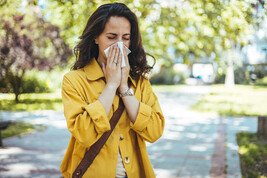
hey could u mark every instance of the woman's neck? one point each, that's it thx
(100, 61)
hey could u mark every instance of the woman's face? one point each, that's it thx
(116, 29)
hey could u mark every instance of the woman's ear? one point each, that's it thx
(96, 41)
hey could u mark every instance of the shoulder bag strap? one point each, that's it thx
(96, 147)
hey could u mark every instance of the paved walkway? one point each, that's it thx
(193, 144)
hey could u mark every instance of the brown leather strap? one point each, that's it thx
(96, 147)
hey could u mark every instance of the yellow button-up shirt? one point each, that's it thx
(87, 121)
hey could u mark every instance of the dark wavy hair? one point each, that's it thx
(87, 49)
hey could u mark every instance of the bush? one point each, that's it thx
(34, 85)
(30, 84)
(261, 82)
(257, 74)
(220, 78)
(37, 82)
(251, 74)
(167, 76)
(240, 76)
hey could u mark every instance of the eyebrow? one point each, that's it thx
(116, 34)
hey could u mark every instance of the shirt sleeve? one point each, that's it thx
(149, 123)
(86, 122)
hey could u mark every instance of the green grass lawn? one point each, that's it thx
(253, 155)
(17, 128)
(50, 101)
(242, 100)
(31, 102)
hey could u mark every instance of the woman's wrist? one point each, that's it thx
(112, 87)
(123, 89)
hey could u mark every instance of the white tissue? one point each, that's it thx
(120, 45)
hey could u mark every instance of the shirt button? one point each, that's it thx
(127, 160)
(121, 137)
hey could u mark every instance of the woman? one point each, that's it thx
(91, 94)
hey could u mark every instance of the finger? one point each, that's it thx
(110, 51)
(119, 61)
(104, 68)
(116, 57)
(112, 62)
(111, 57)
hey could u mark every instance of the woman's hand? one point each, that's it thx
(112, 69)
(123, 87)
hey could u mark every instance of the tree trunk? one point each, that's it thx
(231, 56)
(262, 127)
(17, 97)
(230, 76)
(15, 83)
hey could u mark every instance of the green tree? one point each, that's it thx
(195, 29)
(28, 42)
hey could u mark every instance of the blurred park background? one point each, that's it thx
(220, 44)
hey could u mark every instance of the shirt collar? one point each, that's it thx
(133, 81)
(93, 71)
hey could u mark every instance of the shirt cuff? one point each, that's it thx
(142, 118)
(98, 115)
